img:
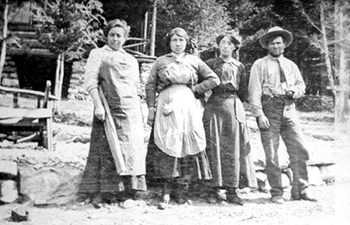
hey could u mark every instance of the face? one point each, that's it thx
(226, 47)
(177, 44)
(276, 47)
(116, 38)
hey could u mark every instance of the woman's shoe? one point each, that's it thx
(97, 201)
(165, 202)
(232, 197)
(212, 197)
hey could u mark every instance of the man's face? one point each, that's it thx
(276, 46)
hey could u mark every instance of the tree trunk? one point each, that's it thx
(154, 25)
(59, 80)
(326, 49)
(3, 46)
(342, 105)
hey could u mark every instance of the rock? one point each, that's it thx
(62, 136)
(263, 183)
(50, 185)
(8, 168)
(327, 173)
(314, 175)
(129, 203)
(285, 180)
(8, 191)
(21, 213)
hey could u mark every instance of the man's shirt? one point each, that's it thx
(265, 80)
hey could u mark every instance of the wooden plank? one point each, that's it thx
(24, 91)
(112, 137)
(7, 113)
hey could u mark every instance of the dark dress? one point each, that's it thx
(117, 73)
(228, 147)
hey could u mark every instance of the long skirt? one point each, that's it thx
(162, 166)
(179, 137)
(100, 173)
(228, 145)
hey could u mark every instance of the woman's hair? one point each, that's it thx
(179, 32)
(116, 23)
(232, 38)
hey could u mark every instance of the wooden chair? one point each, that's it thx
(37, 119)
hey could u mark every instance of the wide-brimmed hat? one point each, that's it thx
(276, 31)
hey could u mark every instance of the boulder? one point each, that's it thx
(8, 168)
(50, 185)
(8, 191)
(328, 173)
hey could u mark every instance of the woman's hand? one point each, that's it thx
(263, 122)
(100, 113)
(151, 116)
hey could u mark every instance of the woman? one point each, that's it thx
(225, 125)
(177, 79)
(117, 73)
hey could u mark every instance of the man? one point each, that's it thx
(275, 82)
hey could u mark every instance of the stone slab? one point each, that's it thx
(8, 191)
(8, 168)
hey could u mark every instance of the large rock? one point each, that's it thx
(8, 168)
(8, 191)
(50, 185)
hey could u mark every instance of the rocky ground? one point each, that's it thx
(72, 128)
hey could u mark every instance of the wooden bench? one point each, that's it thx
(37, 119)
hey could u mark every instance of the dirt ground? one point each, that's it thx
(325, 145)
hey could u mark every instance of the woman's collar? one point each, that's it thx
(107, 47)
(231, 60)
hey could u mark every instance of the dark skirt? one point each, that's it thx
(100, 175)
(228, 146)
(189, 168)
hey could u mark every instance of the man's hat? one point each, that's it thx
(276, 31)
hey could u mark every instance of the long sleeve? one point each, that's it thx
(243, 84)
(92, 69)
(255, 90)
(151, 86)
(207, 78)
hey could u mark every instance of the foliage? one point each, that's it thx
(13, 9)
(253, 18)
(70, 26)
(202, 19)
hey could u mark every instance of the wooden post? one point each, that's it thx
(154, 25)
(145, 30)
(4, 34)
(57, 81)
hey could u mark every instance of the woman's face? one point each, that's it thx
(116, 38)
(226, 47)
(177, 44)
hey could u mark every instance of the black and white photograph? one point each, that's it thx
(174, 112)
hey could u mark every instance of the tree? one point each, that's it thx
(68, 28)
(251, 18)
(342, 65)
(202, 19)
(6, 38)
